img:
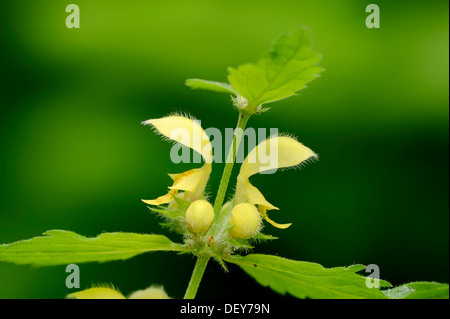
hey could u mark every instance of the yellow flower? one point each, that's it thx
(273, 153)
(199, 216)
(246, 221)
(153, 292)
(189, 133)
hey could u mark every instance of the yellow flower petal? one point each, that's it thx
(280, 226)
(184, 131)
(193, 182)
(263, 212)
(188, 133)
(150, 293)
(251, 194)
(161, 200)
(275, 152)
(189, 181)
(97, 293)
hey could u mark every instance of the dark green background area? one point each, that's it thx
(74, 155)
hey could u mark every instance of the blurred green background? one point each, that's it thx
(75, 157)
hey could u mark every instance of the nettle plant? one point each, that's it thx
(225, 230)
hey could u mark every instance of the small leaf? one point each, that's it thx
(172, 214)
(61, 247)
(262, 237)
(280, 73)
(419, 290)
(220, 261)
(173, 227)
(240, 243)
(305, 279)
(183, 205)
(220, 87)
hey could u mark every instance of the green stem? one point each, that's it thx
(223, 186)
(196, 277)
(202, 260)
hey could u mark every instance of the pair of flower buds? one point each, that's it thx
(250, 204)
(244, 218)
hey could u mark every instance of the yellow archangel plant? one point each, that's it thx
(223, 230)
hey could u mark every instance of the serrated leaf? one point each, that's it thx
(419, 290)
(220, 87)
(61, 247)
(360, 268)
(305, 279)
(280, 73)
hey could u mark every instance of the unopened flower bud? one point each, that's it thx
(246, 221)
(199, 216)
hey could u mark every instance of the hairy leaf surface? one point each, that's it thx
(307, 280)
(61, 247)
(280, 73)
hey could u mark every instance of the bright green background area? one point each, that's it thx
(75, 157)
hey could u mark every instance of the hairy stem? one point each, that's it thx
(223, 186)
(202, 260)
(196, 277)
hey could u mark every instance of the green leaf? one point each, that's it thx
(240, 243)
(61, 247)
(183, 205)
(419, 290)
(356, 267)
(263, 237)
(220, 87)
(305, 279)
(219, 260)
(282, 71)
(169, 213)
